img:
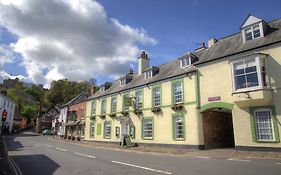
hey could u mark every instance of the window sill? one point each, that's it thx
(147, 138)
(179, 139)
(177, 106)
(271, 141)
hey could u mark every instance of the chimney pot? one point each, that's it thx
(143, 54)
(211, 42)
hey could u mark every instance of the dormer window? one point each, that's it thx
(102, 88)
(252, 33)
(123, 81)
(150, 72)
(185, 62)
(147, 74)
(188, 59)
(253, 28)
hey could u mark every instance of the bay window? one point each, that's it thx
(249, 74)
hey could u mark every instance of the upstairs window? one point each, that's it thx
(186, 61)
(156, 96)
(103, 106)
(253, 32)
(178, 93)
(249, 74)
(123, 81)
(102, 88)
(139, 100)
(113, 104)
(125, 106)
(148, 74)
(93, 107)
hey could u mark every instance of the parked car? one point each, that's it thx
(48, 132)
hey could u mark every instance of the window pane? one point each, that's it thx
(179, 128)
(178, 93)
(147, 129)
(248, 34)
(139, 100)
(240, 82)
(256, 31)
(252, 80)
(239, 68)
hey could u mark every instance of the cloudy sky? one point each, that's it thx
(46, 40)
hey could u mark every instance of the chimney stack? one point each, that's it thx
(202, 47)
(143, 62)
(211, 42)
(131, 72)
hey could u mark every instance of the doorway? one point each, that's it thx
(218, 128)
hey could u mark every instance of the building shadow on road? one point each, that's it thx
(35, 164)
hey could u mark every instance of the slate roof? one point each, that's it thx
(78, 99)
(234, 44)
(224, 47)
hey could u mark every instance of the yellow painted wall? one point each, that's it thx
(216, 80)
(162, 121)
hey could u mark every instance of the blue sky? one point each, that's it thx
(165, 29)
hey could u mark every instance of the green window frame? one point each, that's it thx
(103, 106)
(256, 135)
(94, 107)
(107, 130)
(175, 95)
(147, 129)
(155, 101)
(99, 129)
(178, 126)
(113, 104)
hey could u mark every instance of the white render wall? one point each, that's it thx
(9, 106)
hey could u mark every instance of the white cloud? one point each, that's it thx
(7, 56)
(71, 39)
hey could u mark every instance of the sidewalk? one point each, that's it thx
(5, 163)
(215, 153)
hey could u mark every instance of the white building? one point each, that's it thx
(8, 105)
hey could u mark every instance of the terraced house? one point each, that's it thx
(224, 95)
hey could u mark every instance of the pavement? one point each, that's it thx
(44, 155)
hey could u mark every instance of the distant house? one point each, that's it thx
(44, 121)
(65, 113)
(6, 104)
(20, 121)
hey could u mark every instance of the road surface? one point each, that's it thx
(37, 155)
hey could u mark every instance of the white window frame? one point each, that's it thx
(185, 62)
(176, 129)
(113, 104)
(147, 130)
(251, 29)
(102, 88)
(148, 74)
(256, 125)
(139, 99)
(156, 97)
(94, 107)
(107, 129)
(175, 95)
(103, 106)
(258, 59)
(123, 81)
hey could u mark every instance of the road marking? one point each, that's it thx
(14, 165)
(61, 149)
(202, 157)
(117, 149)
(141, 167)
(278, 163)
(241, 160)
(48, 146)
(85, 155)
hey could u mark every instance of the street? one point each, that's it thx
(38, 155)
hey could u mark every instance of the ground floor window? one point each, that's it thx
(117, 131)
(264, 125)
(178, 124)
(147, 129)
(107, 129)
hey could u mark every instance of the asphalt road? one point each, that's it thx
(37, 155)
